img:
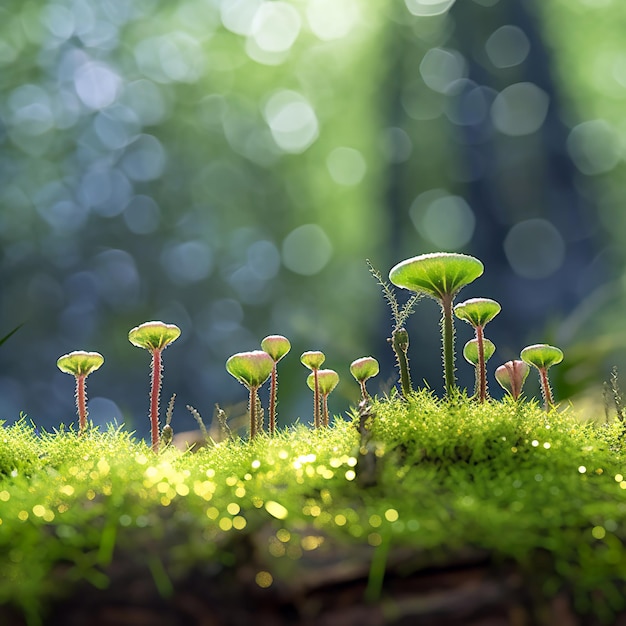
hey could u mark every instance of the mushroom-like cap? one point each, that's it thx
(477, 311)
(327, 380)
(276, 346)
(153, 335)
(364, 368)
(541, 355)
(312, 359)
(80, 363)
(251, 369)
(470, 350)
(437, 275)
(512, 375)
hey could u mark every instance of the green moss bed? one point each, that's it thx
(407, 509)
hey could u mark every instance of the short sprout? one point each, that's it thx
(511, 377)
(313, 359)
(543, 357)
(327, 381)
(470, 350)
(277, 347)
(80, 364)
(363, 369)
(251, 369)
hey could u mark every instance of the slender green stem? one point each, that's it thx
(482, 373)
(448, 343)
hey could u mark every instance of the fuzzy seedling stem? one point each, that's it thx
(155, 392)
(314, 359)
(448, 343)
(543, 357)
(478, 312)
(277, 347)
(154, 337)
(251, 369)
(326, 381)
(80, 364)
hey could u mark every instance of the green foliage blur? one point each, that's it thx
(228, 166)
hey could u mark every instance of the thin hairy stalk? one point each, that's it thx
(482, 372)
(155, 390)
(81, 403)
(448, 343)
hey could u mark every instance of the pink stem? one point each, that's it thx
(81, 403)
(545, 385)
(364, 393)
(154, 399)
(273, 401)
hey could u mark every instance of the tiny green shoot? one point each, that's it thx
(313, 359)
(251, 369)
(327, 381)
(543, 357)
(363, 369)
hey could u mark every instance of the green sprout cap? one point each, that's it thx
(364, 368)
(477, 311)
(153, 335)
(327, 380)
(437, 275)
(80, 363)
(251, 369)
(313, 359)
(541, 355)
(470, 350)
(276, 346)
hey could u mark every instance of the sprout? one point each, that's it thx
(440, 276)
(512, 376)
(80, 364)
(471, 354)
(251, 369)
(363, 369)
(314, 359)
(543, 357)
(478, 312)
(326, 381)
(277, 347)
(154, 337)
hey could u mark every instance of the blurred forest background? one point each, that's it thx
(228, 166)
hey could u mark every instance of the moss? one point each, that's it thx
(543, 491)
